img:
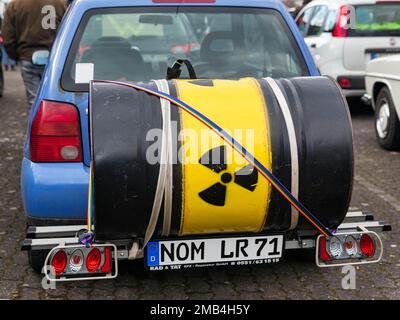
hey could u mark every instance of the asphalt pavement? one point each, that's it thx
(376, 190)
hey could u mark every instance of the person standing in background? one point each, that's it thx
(7, 62)
(26, 30)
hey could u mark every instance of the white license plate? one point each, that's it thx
(375, 55)
(174, 254)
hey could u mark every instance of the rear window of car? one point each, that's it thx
(377, 20)
(139, 44)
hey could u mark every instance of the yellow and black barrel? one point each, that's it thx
(298, 128)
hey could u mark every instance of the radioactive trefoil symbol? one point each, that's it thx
(215, 160)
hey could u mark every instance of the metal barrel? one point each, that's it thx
(298, 128)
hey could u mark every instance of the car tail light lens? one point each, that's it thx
(185, 48)
(59, 262)
(342, 24)
(335, 247)
(323, 253)
(76, 261)
(1, 40)
(93, 260)
(344, 83)
(106, 268)
(367, 246)
(350, 246)
(55, 133)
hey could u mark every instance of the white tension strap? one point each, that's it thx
(280, 97)
(165, 178)
(166, 109)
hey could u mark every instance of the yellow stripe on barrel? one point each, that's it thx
(239, 108)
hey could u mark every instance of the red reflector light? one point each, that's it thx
(59, 262)
(55, 133)
(367, 246)
(93, 260)
(106, 268)
(344, 83)
(323, 253)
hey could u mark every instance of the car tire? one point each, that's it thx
(387, 124)
(37, 259)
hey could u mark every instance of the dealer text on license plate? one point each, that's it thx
(174, 254)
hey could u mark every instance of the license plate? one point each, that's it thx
(375, 55)
(177, 254)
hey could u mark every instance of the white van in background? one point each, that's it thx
(344, 35)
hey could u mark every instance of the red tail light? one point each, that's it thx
(93, 260)
(106, 268)
(1, 40)
(341, 27)
(367, 246)
(55, 133)
(184, 48)
(323, 253)
(59, 262)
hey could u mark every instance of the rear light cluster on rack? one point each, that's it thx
(348, 248)
(69, 262)
(56, 133)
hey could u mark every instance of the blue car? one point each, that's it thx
(131, 41)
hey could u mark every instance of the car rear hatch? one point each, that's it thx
(374, 32)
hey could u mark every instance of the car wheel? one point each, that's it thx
(387, 124)
(37, 259)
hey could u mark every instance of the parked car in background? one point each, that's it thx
(383, 89)
(294, 6)
(344, 35)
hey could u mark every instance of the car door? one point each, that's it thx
(316, 38)
(303, 20)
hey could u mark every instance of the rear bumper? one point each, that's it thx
(353, 93)
(54, 192)
(355, 87)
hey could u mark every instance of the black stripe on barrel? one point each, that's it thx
(124, 184)
(325, 147)
(278, 218)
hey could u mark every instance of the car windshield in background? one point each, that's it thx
(139, 44)
(377, 20)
